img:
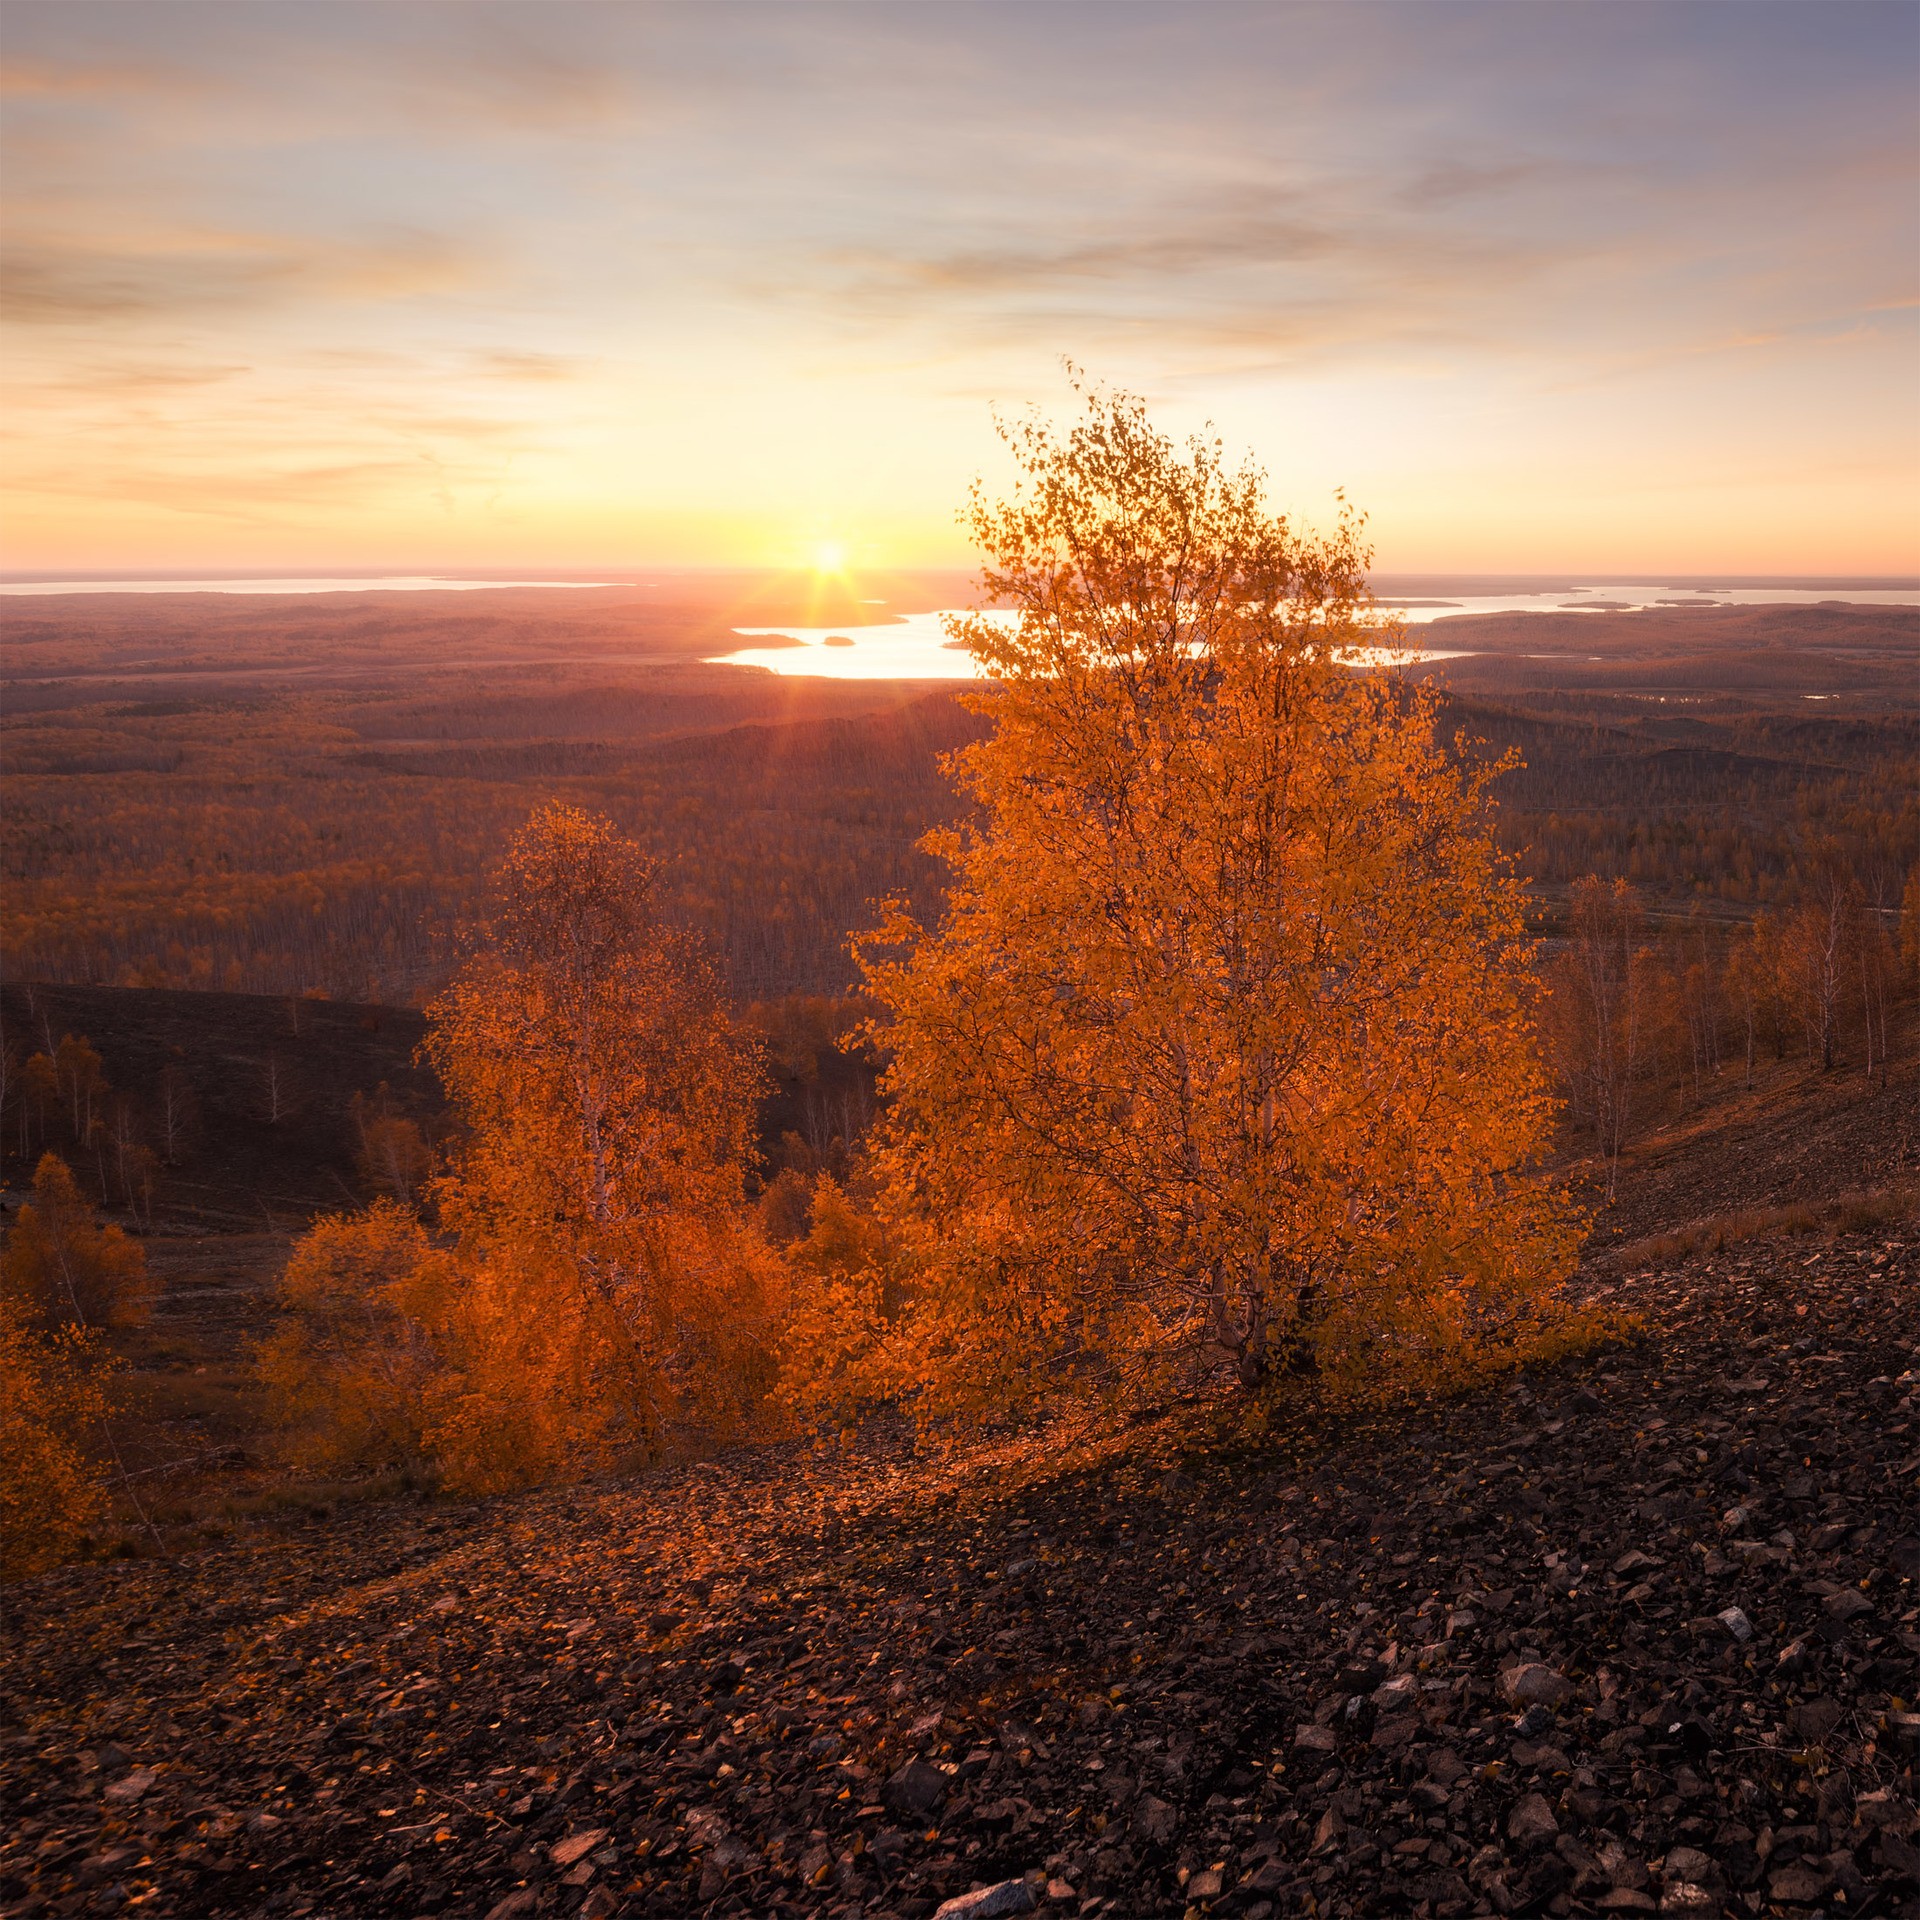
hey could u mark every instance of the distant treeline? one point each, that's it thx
(287, 846)
(279, 857)
(1696, 811)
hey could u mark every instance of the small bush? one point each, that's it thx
(844, 1291)
(52, 1396)
(489, 1366)
(63, 1268)
(347, 1371)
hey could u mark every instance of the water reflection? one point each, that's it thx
(915, 646)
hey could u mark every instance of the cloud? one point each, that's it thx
(1253, 278)
(133, 379)
(94, 80)
(509, 77)
(60, 286)
(52, 282)
(205, 75)
(241, 491)
(538, 369)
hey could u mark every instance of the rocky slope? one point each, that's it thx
(1637, 1634)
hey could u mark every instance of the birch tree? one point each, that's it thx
(1221, 1057)
(607, 1100)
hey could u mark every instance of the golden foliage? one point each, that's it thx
(600, 1291)
(348, 1369)
(608, 1104)
(52, 1395)
(393, 1156)
(483, 1374)
(63, 1267)
(844, 1293)
(1222, 1054)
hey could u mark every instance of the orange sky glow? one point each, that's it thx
(570, 287)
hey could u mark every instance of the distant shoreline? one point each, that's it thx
(1393, 591)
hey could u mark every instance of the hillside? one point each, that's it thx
(1635, 1633)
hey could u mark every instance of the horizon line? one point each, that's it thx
(627, 575)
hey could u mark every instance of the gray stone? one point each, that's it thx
(1626, 1870)
(1687, 1863)
(1402, 1691)
(1531, 1821)
(1687, 1896)
(915, 1788)
(1813, 1720)
(1154, 1820)
(1534, 1686)
(1799, 1885)
(987, 1903)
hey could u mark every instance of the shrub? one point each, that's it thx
(64, 1268)
(52, 1399)
(845, 1292)
(347, 1370)
(485, 1365)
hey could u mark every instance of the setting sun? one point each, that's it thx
(830, 557)
(294, 350)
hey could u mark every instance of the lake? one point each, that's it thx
(914, 646)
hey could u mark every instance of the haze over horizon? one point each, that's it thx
(538, 289)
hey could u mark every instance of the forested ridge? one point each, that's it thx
(268, 842)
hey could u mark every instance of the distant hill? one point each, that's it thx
(243, 1057)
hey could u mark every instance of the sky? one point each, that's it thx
(1576, 287)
